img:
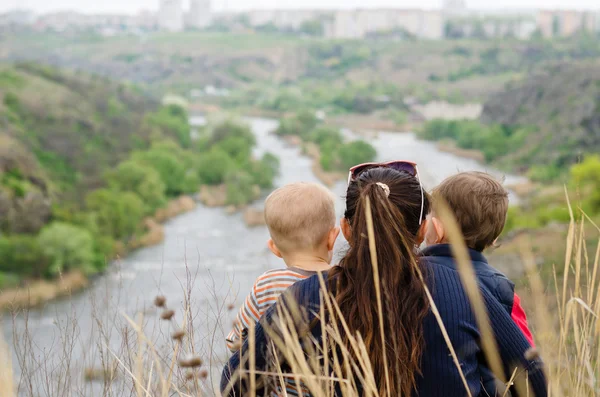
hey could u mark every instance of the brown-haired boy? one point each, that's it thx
(479, 203)
(301, 220)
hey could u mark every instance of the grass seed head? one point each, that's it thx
(167, 314)
(160, 301)
(178, 335)
(190, 362)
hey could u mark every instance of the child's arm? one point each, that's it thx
(249, 313)
(520, 318)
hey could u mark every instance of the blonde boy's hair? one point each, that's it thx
(300, 215)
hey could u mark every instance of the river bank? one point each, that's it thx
(39, 291)
(208, 259)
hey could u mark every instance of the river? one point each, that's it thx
(206, 251)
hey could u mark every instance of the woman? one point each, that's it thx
(413, 354)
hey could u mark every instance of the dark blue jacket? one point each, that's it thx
(440, 376)
(494, 280)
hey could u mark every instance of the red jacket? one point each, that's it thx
(520, 318)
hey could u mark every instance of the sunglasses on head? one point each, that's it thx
(398, 165)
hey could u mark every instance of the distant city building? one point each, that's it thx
(453, 20)
(454, 6)
(362, 23)
(170, 15)
(492, 24)
(199, 15)
(562, 23)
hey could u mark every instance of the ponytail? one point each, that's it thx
(393, 199)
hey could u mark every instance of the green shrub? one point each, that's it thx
(141, 179)
(263, 172)
(171, 169)
(326, 137)
(67, 247)
(356, 152)
(172, 120)
(22, 254)
(586, 175)
(214, 166)
(301, 124)
(117, 214)
(231, 129)
(240, 188)
(238, 148)
(9, 280)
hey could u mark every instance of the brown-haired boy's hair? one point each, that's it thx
(479, 203)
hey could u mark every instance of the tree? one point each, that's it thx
(264, 171)
(214, 166)
(356, 152)
(238, 148)
(231, 129)
(170, 168)
(22, 254)
(117, 214)
(137, 177)
(587, 176)
(240, 188)
(68, 247)
(172, 120)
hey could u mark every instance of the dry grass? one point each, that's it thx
(176, 357)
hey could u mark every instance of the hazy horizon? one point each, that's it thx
(133, 6)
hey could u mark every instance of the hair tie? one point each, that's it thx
(385, 188)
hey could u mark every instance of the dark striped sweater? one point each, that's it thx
(440, 376)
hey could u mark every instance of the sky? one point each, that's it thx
(132, 6)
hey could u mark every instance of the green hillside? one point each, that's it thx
(84, 160)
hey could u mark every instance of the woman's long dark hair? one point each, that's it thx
(405, 305)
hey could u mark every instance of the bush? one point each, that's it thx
(22, 254)
(356, 152)
(171, 169)
(67, 247)
(587, 176)
(240, 188)
(238, 148)
(300, 124)
(141, 179)
(326, 136)
(172, 120)
(117, 214)
(263, 172)
(214, 166)
(231, 129)
(9, 280)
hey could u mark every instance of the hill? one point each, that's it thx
(86, 163)
(276, 71)
(563, 106)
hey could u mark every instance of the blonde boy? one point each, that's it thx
(301, 220)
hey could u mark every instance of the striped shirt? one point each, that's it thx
(265, 292)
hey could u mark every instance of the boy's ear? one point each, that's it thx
(346, 231)
(333, 235)
(273, 248)
(440, 231)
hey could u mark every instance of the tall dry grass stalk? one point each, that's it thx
(565, 325)
(7, 387)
